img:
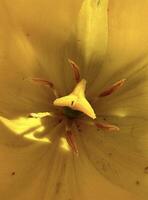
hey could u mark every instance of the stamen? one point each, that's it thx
(76, 70)
(71, 140)
(101, 125)
(41, 115)
(47, 83)
(108, 127)
(113, 88)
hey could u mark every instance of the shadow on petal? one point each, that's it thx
(122, 157)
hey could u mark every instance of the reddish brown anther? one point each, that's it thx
(71, 141)
(75, 69)
(42, 81)
(113, 88)
(47, 83)
(108, 127)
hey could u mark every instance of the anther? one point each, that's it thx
(76, 70)
(71, 140)
(113, 88)
(47, 83)
(108, 127)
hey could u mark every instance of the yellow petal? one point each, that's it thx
(29, 128)
(31, 46)
(127, 42)
(77, 100)
(40, 29)
(91, 177)
(123, 156)
(33, 170)
(25, 166)
(18, 63)
(131, 100)
(93, 29)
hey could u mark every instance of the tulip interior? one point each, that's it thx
(74, 108)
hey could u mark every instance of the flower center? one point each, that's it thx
(75, 104)
(70, 113)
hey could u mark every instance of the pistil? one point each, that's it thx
(76, 100)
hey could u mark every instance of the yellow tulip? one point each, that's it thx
(73, 106)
